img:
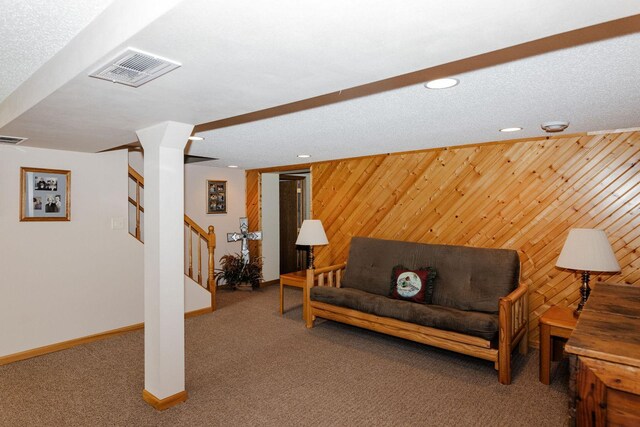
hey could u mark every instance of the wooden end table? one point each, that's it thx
(557, 322)
(296, 279)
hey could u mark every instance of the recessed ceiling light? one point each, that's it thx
(195, 138)
(515, 129)
(304, 156)
(441, 83)
(232, 166)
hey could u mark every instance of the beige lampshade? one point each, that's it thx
(587, 249)
(312, 233)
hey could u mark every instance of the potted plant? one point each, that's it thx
(234, 272)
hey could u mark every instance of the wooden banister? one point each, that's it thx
(201, 237)
(135, 175)
(195, 226)
(211, 246)
(139, 183)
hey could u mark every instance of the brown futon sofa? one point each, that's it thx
(478, 307)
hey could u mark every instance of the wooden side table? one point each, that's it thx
(557, 322)
(296, 279)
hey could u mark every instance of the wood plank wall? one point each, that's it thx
(522, 195)
(254, 213)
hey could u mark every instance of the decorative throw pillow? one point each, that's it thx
(412, 285)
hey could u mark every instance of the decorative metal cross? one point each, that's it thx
(245, 236)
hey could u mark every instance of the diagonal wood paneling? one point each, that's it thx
(254, 215)
(523, 195)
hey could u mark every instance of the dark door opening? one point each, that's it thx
(292, 213)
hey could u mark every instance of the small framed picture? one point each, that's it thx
(45, 194)
(216, 197)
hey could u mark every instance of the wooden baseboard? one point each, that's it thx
(198, 312)
(52, 348)
(167, 402)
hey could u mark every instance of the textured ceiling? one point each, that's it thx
(32, 31)
(243, 56)
(594, 87)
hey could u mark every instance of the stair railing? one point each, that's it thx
(195, 237)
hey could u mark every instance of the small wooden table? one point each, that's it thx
(296, 279)
(557, 322)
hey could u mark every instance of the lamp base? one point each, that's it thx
(585, 290)
(310, 259)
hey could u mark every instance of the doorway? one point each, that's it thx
(292, 213)
(285, 200)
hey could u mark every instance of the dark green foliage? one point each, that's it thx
(233, 272)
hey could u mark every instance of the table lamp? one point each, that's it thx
(587, 250)
(311, 234)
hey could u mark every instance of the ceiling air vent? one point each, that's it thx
(134, 68)
(14, 140)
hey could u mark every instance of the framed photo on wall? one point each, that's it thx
(45, 194)
(216, 197)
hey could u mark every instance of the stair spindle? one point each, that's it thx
(211, 246)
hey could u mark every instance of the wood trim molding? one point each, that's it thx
(167, 402)
(282, 168)
(199, 312)
(52, 348)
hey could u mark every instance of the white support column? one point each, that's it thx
(164, 262)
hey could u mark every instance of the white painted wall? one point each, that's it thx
(271, 225)
(136, 161)
(65, 280)
(195, 203)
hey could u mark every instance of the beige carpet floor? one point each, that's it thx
(248, 366)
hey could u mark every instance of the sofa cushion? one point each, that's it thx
(412, 285)
(471, 279)
(483, 325)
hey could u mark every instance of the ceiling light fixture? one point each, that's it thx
(554, 126)
(514, 129)
(304, 156)
(441, 83)
(232, 166)
(195, 138)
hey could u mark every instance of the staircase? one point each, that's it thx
(197, 240)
